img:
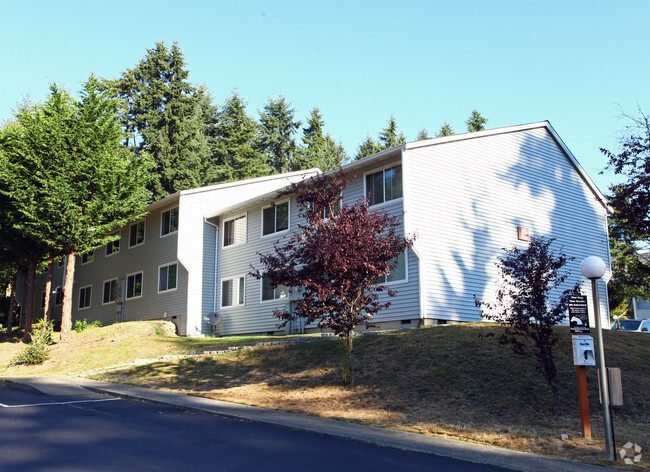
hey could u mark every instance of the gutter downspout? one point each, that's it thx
(216, 258)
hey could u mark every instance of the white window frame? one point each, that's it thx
(90, 256)
(111, 245)
(90, 301)
(406, 272)
(275, 206)
(383, 171)
(134, 274)
(112, 298)
(58, 295)
(162, 221)
(236, 291)
(237, 217)
(144, 231)
(175, 263)
(275, 292)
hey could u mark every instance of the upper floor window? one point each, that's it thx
(113, 247)
(233, 291)
(384, 185)
(167, 276)
(169, 222)
(85, 296)
(88, 257)
(134, 285)
(270, 293)
(234, 231)
(275, 218)
(136, 234)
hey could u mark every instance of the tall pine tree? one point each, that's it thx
(166, 118)
(389, 137)
(318, 150)
(276, 130)
(235, 149)
(475, 122)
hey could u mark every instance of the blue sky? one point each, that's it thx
(574, 63)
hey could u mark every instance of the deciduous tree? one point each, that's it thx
(336, 259)
(528, 279)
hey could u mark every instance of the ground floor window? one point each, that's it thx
(85, 297)
(167, 277)
(110, 288)
(270, 293)
(233, 291)
(134, 285)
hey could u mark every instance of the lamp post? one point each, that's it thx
(594, 268)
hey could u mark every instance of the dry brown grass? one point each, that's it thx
(442, 381)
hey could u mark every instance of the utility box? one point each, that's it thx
(583, 350)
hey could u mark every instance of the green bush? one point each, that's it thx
(37, 351)
(96, 324)
(80, 325)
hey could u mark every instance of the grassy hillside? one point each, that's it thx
(442, 381)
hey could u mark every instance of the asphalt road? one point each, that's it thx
(96, 432)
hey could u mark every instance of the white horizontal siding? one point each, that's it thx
(467, 198)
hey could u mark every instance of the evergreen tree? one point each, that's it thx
(276, 130)
(165, 119)
(422, 134)
(235, 149)
(318, 150)
(389, 137)
(69, 178)
(445, 130)
(367, 148)
(475, 122)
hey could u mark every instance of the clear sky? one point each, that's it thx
(574, 63)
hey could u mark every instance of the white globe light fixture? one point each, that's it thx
(594, 268)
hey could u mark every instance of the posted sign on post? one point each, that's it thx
(578, 314)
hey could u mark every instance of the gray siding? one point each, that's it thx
(466, 199)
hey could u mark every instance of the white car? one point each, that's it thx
(632, 325)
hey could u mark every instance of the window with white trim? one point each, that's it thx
(234, 231)
(136, 234)
(134, 285)
(275, 218)
(167, 277)
(384, 185)
(87, 257)
(398, 273)
(85, 294)
(233, 291)
(113, 247)
(270, 293)
(58, 296)
(110, 289)
(169, 222)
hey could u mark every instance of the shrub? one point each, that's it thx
(80, 325)
(38, 351)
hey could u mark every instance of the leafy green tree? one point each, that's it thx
(276, 130)
(445, 130)
(318, 150)
(165, 117)
(475, 122)
(68, 176)
(234, 144)
(528, 278)
(367, 148)
(389, 137)
(630, 222)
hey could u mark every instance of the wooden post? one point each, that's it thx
(583, 398)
